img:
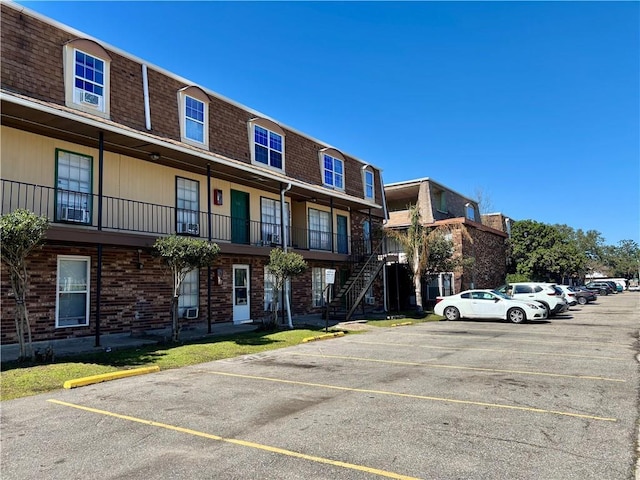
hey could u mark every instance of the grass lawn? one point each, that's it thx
(21, 380)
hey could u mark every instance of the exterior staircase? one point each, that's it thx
(365, 269)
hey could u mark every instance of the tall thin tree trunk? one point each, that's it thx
(175, 330)
(18, 284)
(417, 282)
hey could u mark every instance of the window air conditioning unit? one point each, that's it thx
(189, 228)
(91, 99)
(370, 300)
(71, 214)
(191, 313)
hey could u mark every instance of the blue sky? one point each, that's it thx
(536, 105)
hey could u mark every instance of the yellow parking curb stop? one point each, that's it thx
(323, 337)
(105, 377)
(401, 324)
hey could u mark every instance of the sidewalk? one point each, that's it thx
(114, 341)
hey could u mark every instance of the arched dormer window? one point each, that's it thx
(266, 140)
(193, 111)
(332, 168)
(368, 182)
(87, 68)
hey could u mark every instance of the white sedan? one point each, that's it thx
(488, 304)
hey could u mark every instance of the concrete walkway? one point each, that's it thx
(114, 341)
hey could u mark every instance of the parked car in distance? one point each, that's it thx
(634, 288)
(603, 288)
(488, 304)
(569, 294)
(545, 293)
(581, 297)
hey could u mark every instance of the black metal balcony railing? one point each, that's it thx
(119, 214)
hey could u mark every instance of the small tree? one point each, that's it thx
(283, 265)
(182, 255)
(420, 244)
(21, 231)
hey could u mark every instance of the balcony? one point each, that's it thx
(65, 207)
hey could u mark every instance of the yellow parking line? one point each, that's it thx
(409, 395)
(499, 350)
(564, 342)
(458, 367)
(243, 443)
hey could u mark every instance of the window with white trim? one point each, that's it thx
(72, 291)
(270, 219)
(319, 229)
(470, 212)
(88, 80)
(269, 283)
(268, 147)
(194, 116)
(187, 207)
(369, 192)
(189, 292)
(318, 286)
(194, 119)
(333, 174)
(73, 187)
(87, 76)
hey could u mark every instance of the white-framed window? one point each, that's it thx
(319, 229)
(318, 286)
(194, 116)
(88, 80)
(269, 282)
(74, 173)
(194, 119)
(369, 297)
(187, 206)
(189, 292)
(333, 172)
(268, 147)
(270, 219)
(470, 212)
(366, 236)
(369, 191)
(87, 77)
(72, 291)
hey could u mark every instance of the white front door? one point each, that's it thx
(241, 307)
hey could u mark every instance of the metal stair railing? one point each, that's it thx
(355, 288)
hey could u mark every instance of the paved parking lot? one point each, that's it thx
(443, 400)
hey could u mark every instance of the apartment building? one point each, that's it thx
(483, 246)
(117, 152)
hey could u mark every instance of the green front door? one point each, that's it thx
(342, 236)
(239, 217)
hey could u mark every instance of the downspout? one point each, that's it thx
(209, 236)
(283, 236)
(99, 272)
(384, 269)
(145, 90)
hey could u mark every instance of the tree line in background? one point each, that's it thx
(560, 253)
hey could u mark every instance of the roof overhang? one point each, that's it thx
(63, 123)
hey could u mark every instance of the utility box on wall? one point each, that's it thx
(217, 196)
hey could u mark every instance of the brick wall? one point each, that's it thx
(489, 251)
(135, 300)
